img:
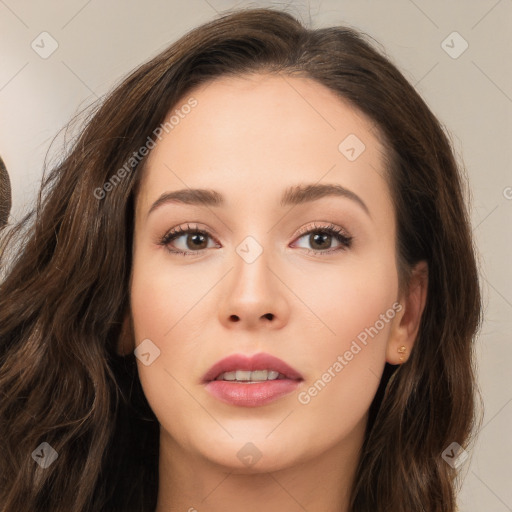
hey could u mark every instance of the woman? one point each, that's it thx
(251, 283)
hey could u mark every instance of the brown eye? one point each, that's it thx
(186, 241)
(320, 241)
(321, 238)
(196, 241)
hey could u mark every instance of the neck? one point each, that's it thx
(188, 482)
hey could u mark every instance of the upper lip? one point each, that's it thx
(261, 361)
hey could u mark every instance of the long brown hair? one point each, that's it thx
(68, 265)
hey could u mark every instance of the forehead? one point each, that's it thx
(260, 131)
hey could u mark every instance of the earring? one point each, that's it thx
(402, 350)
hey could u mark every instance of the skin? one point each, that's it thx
(250, 138)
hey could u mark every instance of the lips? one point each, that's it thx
(261, 361)
(246, 393)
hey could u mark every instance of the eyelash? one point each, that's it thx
(330, 229)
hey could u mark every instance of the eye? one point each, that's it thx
(321, 237)
(193, 240)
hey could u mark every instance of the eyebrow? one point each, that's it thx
(294, 195)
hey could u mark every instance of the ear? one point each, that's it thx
(125, 342)
(406, 323)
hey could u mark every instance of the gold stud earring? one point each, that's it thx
(402, 350)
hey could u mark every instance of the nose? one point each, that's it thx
(254, 296)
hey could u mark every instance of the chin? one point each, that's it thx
(253, 457)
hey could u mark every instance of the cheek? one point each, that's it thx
(355, 308)
(342, 299)
(159, 303)
(160, 295)
(165, 303)
(344, 372)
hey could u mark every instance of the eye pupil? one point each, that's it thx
(197, 237)
(317, 236)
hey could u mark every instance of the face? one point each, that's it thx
(267, 269)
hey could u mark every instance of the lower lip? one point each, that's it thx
(251, 395)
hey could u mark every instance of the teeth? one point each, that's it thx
(259, 375)
(248, 376)
(243, 375)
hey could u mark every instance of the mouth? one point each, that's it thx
(251, 381)
(249, 377)
(257, 368)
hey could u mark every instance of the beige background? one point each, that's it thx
(99, 42)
